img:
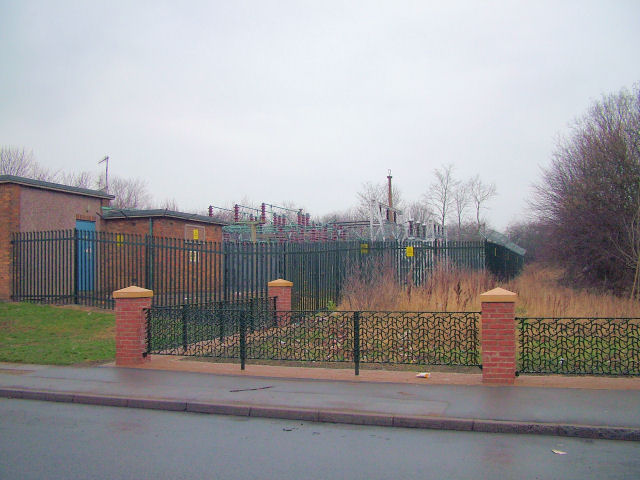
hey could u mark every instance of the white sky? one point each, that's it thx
(305, 101)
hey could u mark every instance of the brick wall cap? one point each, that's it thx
(280, 283)
(133, 292)
(498, 295)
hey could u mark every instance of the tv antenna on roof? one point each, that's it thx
(106, 172)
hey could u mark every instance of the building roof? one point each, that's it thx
(120, 213)
(30, 182)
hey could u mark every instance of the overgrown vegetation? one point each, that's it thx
(541, 292)
(44, 334)
(445, 290)
(588, 201)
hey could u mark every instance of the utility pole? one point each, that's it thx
(390, 214)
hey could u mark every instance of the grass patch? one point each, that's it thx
(44, 334)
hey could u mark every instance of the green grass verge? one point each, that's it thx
(44, 334)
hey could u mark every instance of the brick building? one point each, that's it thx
(28, 205)
(163, 223)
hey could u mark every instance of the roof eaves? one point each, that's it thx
(133, 213)
(30, 182)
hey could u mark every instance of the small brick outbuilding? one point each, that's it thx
(28, 205)
(163, 223)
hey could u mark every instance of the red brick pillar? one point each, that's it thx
(498, 333)
(281, 290)
(131, 325)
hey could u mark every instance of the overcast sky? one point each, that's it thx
(300, 101)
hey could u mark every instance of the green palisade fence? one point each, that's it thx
(72, 266)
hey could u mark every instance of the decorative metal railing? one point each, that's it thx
(421, 338)
(186, 329)
(606, 346)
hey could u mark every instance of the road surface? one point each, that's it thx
(67, 441)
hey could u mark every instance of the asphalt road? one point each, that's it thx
(54, 440)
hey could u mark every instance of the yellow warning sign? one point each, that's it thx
(119, 240)
(195, 234)
(364, 248)
(409, 251)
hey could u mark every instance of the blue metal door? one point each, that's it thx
(85, 254)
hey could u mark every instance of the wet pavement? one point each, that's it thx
(466, 407)
(65, 441)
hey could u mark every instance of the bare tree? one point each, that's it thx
(376, 192)
(628, 250)
(419, 212)
(82, 179)
(440, 194)
(170, 204)
(348, 215)
(44, 174)
(129, 193)
(16, 161)
(480, 194)
(461, 200)
(21, 163)
(588, 198)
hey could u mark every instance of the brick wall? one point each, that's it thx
(9, 222)
(165, 227)
(51, 210)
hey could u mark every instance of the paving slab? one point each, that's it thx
(438, 377)
(380, 402)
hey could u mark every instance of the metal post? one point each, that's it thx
(274, 310)
(147, 313)
(221, 321)
(356, 341)
(252, 314)
(75, 266)
(184, 328)
(149, 262)
(316, 278)
(243, 339)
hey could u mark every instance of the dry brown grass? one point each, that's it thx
(446, 290)
(540, 293)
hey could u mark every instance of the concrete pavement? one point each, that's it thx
(386, 399)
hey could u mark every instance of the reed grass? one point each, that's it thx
(541, 290)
